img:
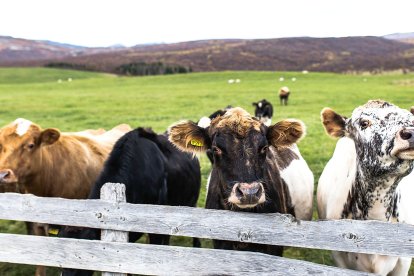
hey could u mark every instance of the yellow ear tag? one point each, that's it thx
(53, 231)
(196, 143)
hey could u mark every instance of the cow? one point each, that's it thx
(369, 175)
(50, 163)
(284, 93)
(255, 168)
(154, 172)
(264, 111)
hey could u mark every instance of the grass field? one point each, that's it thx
(95, 100)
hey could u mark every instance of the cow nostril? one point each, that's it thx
(259, 191)
(4, 174)
(405, 135)
(239, 192)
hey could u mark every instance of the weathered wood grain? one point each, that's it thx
(114, 193)
(341, 235)
(151, 259)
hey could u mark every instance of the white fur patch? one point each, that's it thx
(336, 180)
(300, 185)
(22, 126)
(266, 121)
(204, 122)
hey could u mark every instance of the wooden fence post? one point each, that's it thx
(114, 192)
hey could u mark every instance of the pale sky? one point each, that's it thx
(128, 22)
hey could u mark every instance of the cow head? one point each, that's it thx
(240, 145)
(20, 142)
(383, 134)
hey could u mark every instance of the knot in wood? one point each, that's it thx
(174, 230)
(245, 236)
(352, 237)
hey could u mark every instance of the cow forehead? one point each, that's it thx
(236, 120)
(22, 126)
(18, 128)
(380, 110)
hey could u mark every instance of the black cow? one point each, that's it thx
(264, 111)
(248, 160)
(154, 172)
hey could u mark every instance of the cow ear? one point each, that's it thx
(49, 136)
(412, 110)
(333, 122)
(254, 104)
(189, 137)
(286, 132)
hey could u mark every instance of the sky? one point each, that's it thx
(97, 23)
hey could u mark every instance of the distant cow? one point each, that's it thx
(366, 177)
(154, 172)
(264, 111)
(284, 93)
(48, 163)
(255, 168)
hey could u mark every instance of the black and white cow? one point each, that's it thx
(369, 175)
(255, 168)
(264, 111)
(154, 172)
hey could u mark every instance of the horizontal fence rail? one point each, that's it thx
(151, 259)
(373, 237)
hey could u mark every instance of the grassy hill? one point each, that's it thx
(93, 100)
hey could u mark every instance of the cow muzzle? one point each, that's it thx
(7, 176)
(404, 144)
(247, 195)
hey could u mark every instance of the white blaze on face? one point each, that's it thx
(260, 105)
(22, 126)
(204, 122)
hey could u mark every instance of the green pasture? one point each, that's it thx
(93, 100)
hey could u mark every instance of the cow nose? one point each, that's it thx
(249, 193)
(6, 175)
(407, 134)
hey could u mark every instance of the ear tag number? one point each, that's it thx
(196, 143)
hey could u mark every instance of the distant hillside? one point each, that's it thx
(403, 37)
(22, 50)
(291, 54)
(314, 54)
(17, 51)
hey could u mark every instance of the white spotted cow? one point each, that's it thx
(369, 176)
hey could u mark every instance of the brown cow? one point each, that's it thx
(50, 163)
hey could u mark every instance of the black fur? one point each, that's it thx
(265, 111)
(154, 172)
(244, 161)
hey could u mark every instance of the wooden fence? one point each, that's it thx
(119, 217)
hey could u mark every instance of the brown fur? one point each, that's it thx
(53, 164)
(59, 165)
(286, 133)
(238, 121)
(182, 133)
(334, 123)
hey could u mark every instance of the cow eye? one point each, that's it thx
(364, 123)
(217, 150)
(30, 146)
